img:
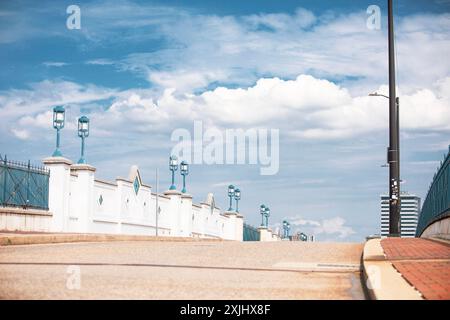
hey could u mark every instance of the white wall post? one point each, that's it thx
(82, 197)
(174, 211)
(239, 227)
(58, 191)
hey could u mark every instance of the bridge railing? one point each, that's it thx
(437, 202)
(23, 185)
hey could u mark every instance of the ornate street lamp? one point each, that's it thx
(231, 195)
(83, 133)
(262, 211)
(286, 227)
(267, 215)
(184, 170)
(173, 166)
(59, 115)
(237, 197)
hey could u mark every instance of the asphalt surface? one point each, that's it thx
(181, 270)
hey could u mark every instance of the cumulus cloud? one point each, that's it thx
(333, 226)
(306, 107)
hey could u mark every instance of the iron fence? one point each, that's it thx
(437, 202)
(23, 185)
(250, 233)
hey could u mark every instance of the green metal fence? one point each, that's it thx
(250, 233)
(23, 185)
(437, 202)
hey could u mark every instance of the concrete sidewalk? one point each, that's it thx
(23, 238)
(407, 268)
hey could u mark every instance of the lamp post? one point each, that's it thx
(173, 166)
(237, 197)
(83, 132)
(184, 170)
(394, 136)
(59, 115)
(393, 158)
(267, 215)
(286, 227)
(262, 211)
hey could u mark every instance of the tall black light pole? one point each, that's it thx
(394, 145)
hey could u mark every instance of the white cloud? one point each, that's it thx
(55, 64)
(22, 134)
(200, 49)
(332, 226)
(306, 108)
(204, 49)
(100, 62)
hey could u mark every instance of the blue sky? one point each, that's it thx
(141, 69)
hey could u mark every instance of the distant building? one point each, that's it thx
(409, 215)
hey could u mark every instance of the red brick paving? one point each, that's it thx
(428, 268)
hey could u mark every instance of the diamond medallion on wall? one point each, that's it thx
(100, 199)
(136, 185)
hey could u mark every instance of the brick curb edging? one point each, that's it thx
(381, 280)
(24, 239)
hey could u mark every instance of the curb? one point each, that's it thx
(25, 239)
(380, 279)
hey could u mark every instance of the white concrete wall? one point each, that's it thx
(16, 219)
(75, 195)
(438, 229)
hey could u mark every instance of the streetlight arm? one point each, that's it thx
(376, 94)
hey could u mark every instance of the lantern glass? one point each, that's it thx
(237, 193)
(184, 167)
(173, 163)
(84, 126)
(59, 116)
(230, 190)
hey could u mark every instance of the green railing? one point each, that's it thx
(23, 185)
(250, 233)
(437, 202)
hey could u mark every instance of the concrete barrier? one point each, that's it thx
(380, 278)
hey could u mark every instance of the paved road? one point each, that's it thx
(181, 270)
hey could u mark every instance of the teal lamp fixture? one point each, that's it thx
(184, 170)
(303, 237)
(83, 133)
(59, 115)
(231, 195)
(267, 215)
(237, 197)
(262, 211)
(173, 166)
